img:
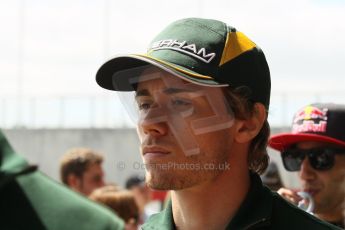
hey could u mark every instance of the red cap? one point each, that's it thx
(316, 122)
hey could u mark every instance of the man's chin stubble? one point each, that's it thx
(173, 181)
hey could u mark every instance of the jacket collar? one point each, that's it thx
(255, 210)
(161, 221)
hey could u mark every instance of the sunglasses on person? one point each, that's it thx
(319, 158)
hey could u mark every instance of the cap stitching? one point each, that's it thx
(206, 27)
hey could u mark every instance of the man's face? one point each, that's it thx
(92, 179)
(184, 130)
(324, 186)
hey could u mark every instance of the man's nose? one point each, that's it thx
(306, 172)
(154, 122)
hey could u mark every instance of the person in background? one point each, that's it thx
(344, 205)
(81, 170)
(200, 98)
(271, 177)
(315, 148)
(143, 196)
(122, 202)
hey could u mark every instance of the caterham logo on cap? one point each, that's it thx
(184, 47)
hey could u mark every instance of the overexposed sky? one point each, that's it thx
(54, 48)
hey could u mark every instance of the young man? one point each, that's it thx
(81, 170)
(315, 148)
(201, 96)
(31, 200)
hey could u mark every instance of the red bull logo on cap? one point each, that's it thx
(310, 119)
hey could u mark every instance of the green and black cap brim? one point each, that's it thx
(202, 51)
(106, 75)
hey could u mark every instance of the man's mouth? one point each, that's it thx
(311, 191)
(154, 151)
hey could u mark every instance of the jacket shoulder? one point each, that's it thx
(58, 205)
(288, 216)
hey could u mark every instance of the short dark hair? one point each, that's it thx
(76, 161)
(133, 181)
(122, 202)
(242, 107)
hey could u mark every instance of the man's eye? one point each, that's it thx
(181, 105)
(180, 102)
(97, 179)
(144, 105)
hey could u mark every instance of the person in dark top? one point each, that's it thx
(200, 99)
(315, 148)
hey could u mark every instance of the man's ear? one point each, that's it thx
(248, 129)
(73, 181)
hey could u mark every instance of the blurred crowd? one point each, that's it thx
(81, 170)
(192, 107)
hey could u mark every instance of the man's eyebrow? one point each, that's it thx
(177, 90)
(168, 91)
(143, 92)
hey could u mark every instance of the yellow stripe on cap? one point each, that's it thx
(177, 68)
(236, 44)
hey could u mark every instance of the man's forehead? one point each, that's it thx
(313, 144)
(153, 78)
(149, 69)
(152, 74)
(166, 90)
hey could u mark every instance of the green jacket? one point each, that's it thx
(31, 200)
(262, 209)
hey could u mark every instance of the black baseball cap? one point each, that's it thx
(321, 122)
(203, 51)
(134, 180)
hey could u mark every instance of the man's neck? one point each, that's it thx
(213, 204)
(335, 217)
